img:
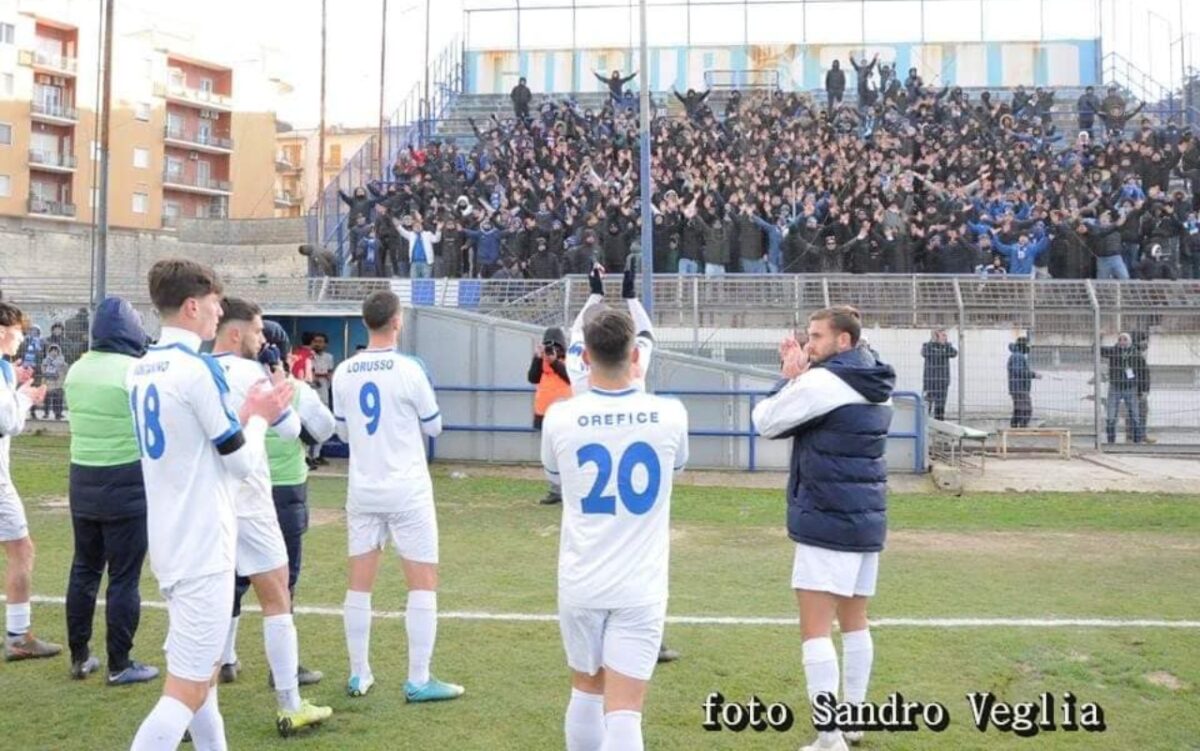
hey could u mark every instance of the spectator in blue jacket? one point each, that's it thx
(1022, 255)
(1020, 382)
(487, 248)
(775, 234)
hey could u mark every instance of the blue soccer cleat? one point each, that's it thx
(433, 690)
(135, 673)
(359, 685)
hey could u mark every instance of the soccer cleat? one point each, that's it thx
(28, 647)
(229, 671)
(839, 744)
(666, 654)
(551, 499)
(853, 737)
(304, 677)
(81, 669)
(308, 714)
(433, 690)
(359, 686)
(136, 672)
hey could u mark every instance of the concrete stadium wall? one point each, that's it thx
(1068, 63)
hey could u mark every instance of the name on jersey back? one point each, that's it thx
(367, 366)
(151, 367)
(617, 419)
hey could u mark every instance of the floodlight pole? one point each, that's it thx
(100, 260)
(646, 188)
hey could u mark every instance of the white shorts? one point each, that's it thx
(198, 614)
(626, 640)
(260, 546)
(835, 571)
(414, 533)
(13, 525)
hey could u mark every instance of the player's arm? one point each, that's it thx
(681, 449)
(287, 425)
(549, 458)
(427, 407)
(316, 421)
(339, 410)
(240, 447)
(14, 408)
(813, 394)
(576, 368)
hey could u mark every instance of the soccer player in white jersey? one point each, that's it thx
(17, 395)
(194, 451)
(615, 450)
(384, 406)
(261, 553)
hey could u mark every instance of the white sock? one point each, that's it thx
(283, 655)
(229, 656)
(207, 726)
(16, 617)
(623, 731)
(163, 727)
(821, 674)
(584, 724)
(356, 618)
(420, 621)
(858, 652)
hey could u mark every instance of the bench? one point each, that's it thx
(1062, 434)
(955, 435)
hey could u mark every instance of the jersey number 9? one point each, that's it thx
(150, 437)
(371, 405)
(638, 502)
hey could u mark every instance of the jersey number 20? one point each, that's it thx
(151, 439)
(640, 453)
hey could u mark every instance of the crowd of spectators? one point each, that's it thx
(906, 178)
(48, 358)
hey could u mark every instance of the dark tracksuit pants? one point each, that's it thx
(291, 508)
(1022, 409)
(108, 513)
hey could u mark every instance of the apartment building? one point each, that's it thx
(190, 135)
(296, 152)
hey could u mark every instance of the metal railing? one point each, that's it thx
(55, 61)
(742, 79)
(60, 111)
(198, 137)
(750, 435)
(50, 208)
(51, 159)
(194, 180)
(193, 96)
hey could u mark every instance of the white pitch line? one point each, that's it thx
(704, 620)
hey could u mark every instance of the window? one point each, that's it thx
(5, 186)
(335, 153)
(6, 134)
(175, 123)
(206, 85)
(7, 84)
(174, 168)
(140, 202)
(204, 132)
(143, 111)
(141, 158)
(7, 31)
(203, 173)
(171, 209)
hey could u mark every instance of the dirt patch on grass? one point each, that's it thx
(319, 517)
(1163, 679)
(58, 503)
(1038, 544)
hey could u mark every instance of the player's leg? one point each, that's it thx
(83, 584)
(415, 536)
(19, 641)
(583, 641)
(366, 533)
(818, 573)
(631, 642)
(858, 653)
(291, 509)
(124, 550)
(230, 664)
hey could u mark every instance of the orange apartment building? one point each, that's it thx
(180, 144)
(296, 161)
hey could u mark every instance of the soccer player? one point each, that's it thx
(384, 406)
(195, 451)
(17, 397)
(614, 449)
(108, 498)
(261, 554)
(834, 402)
(578, 369)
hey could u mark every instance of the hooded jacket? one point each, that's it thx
(1020, 374)
(837, 415)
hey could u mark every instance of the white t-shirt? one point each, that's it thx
(615, 454)
(180, 416)
(578, 371)
(384, 406)
(14, 408)
(252, 495)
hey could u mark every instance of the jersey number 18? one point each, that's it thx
(150, 437)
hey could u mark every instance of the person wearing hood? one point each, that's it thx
(360, 204)
(834, 402)
(521, 96)
(835, 85)
(1020, 382)
(107, 496)
(54, 370)
(548, 372)
(937, 353)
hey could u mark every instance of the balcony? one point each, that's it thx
(194, 183)
(181, 94)
(50, 62)
(284, 199)
(56, 114)
(51, 161)
(284, 164)
(52, 209)
(197, 140)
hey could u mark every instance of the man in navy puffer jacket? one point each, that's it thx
(835, 405)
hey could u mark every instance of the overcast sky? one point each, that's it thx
(1137, 29)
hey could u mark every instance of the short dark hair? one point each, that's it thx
(306, 338)
(11, 315)
(609, 336)
(843, 319)
(175, 280)
(321, 335)
(237, 309)
(379, 308)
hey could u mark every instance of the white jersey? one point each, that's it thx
(14, 408)
(180, 417)
(252, 496)
(579, 372)
(615, 454)
(384, 406)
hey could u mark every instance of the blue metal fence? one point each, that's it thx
(752, 436)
